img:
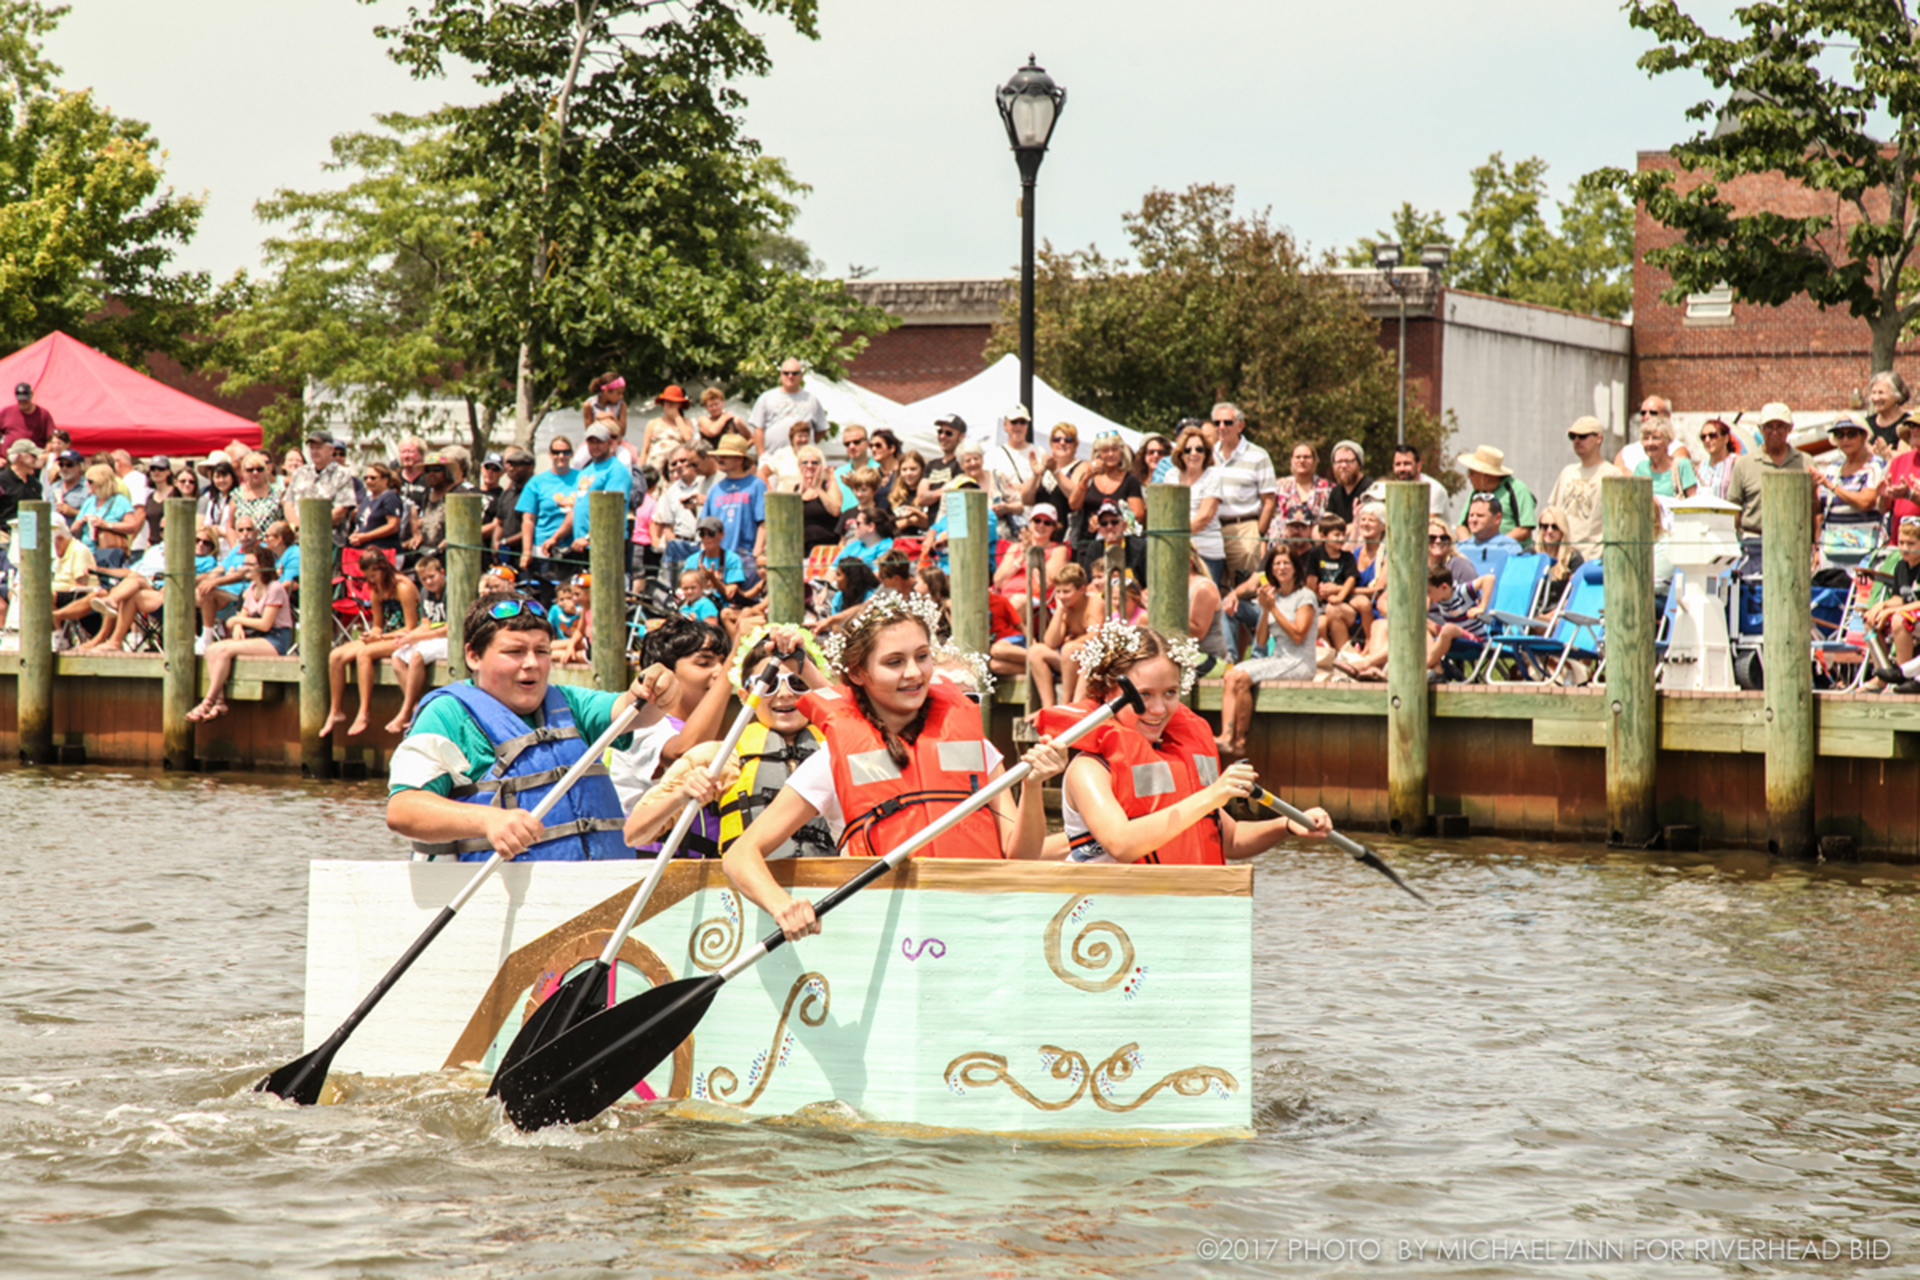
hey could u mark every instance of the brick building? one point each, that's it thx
(943, 332)
(1711, 354)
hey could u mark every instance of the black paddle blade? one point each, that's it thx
(1374, 860)
(576, 1000)
(589, 1067)
(302, 1079)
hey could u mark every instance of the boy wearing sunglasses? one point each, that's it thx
(482, 753)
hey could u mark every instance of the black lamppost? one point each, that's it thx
(1386, 259)
(1030, 104)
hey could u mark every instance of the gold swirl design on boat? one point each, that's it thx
(716, 942)
(722, 1084)
(1090, 951)
(984, 1070)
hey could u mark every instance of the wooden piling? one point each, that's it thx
(607, 561)
(180, 679)
(464, 511)
(1407, 696)
(33, 597)
(1034, 623)
(1632, 713)
(1169, 537)
(970, 574)
(1786, 593)
(316, 633)
(786, 559)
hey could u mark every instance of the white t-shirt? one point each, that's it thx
(812, 781)
(1208, 543)
(635, 770)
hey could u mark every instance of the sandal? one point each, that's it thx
(215, 711)
(199, 711)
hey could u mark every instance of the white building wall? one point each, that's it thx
(1516, 376)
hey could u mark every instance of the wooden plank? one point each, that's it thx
(1867, 744)
(1570, 733)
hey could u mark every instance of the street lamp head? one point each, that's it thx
(1030, 104)
(1386, 257)
(1434, 257)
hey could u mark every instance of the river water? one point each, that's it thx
(1580, 1063)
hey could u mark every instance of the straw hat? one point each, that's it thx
(732, 446)
(1487, 460)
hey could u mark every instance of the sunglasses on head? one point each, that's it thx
(514, 606)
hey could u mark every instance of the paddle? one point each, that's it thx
(301, 1080)
(593, 1065)
(572, 1003)
(1359, 851)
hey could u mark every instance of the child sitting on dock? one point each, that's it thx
(1453, 613)
(1076, 612)
(572, 620)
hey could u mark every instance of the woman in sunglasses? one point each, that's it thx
(483, 752)
(1550, 535)
(256, 496)
(1193, 462)
(1716, 437)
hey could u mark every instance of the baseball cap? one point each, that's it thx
(518, 457)
(495, 461)
(19, 447)
(23, 388)
(1019, 414)
(1043, 510)
(435, 459)
(159, 462)
(953, 420)
(69, 457)
(598, 432)
(1107, 509)
(711, 524)
(324, 437)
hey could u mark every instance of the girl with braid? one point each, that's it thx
(901, 748)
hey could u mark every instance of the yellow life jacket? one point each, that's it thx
(744, 801)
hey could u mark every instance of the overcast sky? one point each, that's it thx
(1328, 113)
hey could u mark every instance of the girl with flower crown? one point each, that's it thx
(902, 749)
(1147, 786)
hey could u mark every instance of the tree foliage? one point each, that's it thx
(1215, 307)
(629, 223)
(88, 226)
(1509, 248)
(1796, 94)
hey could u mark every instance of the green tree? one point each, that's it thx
(1216, 307)
(1802, 92)
(629, 222)
(356, 301)
(88, 228)
(1508, 247)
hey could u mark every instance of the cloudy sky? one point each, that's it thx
(1329, 114)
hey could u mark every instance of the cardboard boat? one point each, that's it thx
(1031, 998)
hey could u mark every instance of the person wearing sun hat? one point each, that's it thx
(1488, 473)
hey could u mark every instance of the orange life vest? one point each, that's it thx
(884, 804)
(1150, 776)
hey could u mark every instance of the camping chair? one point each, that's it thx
(1516, 593)
(1575, 634)
(352, 596)
(1849, 643)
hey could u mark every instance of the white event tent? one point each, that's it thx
(984, 399)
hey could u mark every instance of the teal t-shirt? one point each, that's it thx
(1681, 470)
(423, 759)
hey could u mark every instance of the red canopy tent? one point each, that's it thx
(103, 404)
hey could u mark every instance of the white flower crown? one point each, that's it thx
(1114, 638)
(888, 606)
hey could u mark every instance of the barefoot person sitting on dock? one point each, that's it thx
(482, 752)
(901, 750)
(1147, 786)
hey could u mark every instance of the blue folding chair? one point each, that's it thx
(1516, 593)
(1575, 634)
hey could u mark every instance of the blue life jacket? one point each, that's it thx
(585, 824)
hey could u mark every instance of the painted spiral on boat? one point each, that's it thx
(720, 1084)
(716, 941)
(1108, 963)
(1101, 1083)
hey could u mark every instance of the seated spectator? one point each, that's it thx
(1894, 616)
(426, 644)
(263, 628)
(869, 536)
(445, 473)
(725, 567)
(910, 519)
(780, 468)
(1302, 494)
(676, 513)
(1370, 530)
(1406, 467)
(74, 583)
(107, 518)
(932, 583)
(1107, 482)
(1206, 621)
(642, 556)
(1076, 612)
(571, 618)
(1010, 577)
(1453, 613)
(257, 496)
(19, 482)
(210, 592)
(1486, 548)
(1441, 553)
(1489, 477)
(1552, 536)
(1335, 575)
(699, 595)
(394, 611)
(1285, 647)
(934, 547)
(279, 539)
(1846, 494)
(853, 583)
(138, 592)
(1110, 534)
(819, 500)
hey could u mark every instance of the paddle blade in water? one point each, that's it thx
(589, 1067)
(576, 1000)
(302, 1079)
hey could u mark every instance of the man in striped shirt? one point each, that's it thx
(1247, 491)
